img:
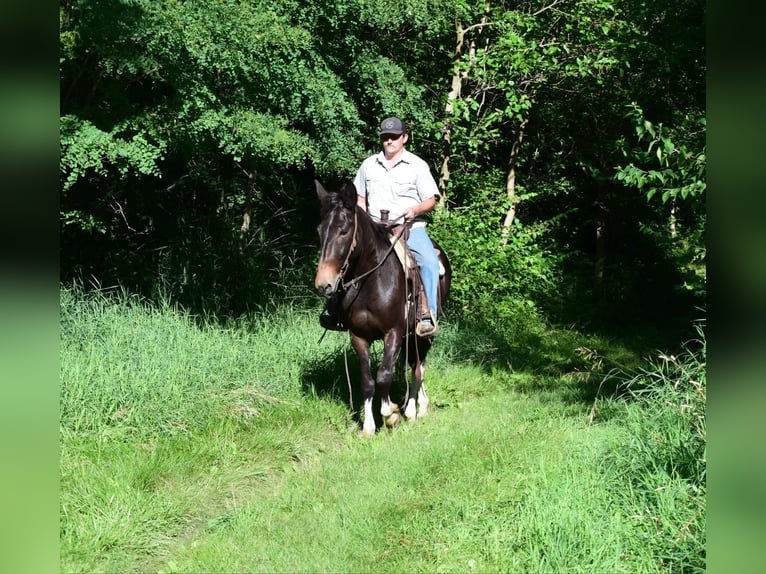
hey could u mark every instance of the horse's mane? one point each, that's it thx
(381, 232)
(346, 199)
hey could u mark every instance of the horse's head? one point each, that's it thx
(337, 234)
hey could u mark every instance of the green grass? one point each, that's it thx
(188, 446)
(460, 491)
(661, 467)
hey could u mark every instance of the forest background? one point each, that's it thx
(567, 137)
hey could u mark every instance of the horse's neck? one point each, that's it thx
(372, 246)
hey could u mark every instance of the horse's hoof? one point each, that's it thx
(366, 433)
(392, 420)
(386, 410)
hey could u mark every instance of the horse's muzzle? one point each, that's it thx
(327, 280)
(327, 290)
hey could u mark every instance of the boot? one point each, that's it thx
(330, 318)
(427, 326)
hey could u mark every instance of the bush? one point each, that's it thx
(490, 277)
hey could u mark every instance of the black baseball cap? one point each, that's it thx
(392, 126)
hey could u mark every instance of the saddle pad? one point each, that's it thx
(408, 262)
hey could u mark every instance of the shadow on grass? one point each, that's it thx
(574, 367)
(325, 376)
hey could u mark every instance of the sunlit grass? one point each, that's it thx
(190, 446)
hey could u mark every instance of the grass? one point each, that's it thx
(445, 495)
(661, 468)
(188, 446)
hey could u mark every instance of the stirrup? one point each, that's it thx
(429, 329)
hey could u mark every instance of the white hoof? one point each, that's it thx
(387, 409)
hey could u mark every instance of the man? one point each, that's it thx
(398, 181)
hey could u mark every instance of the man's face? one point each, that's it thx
(393, 143)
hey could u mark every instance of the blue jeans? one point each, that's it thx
(423, 250)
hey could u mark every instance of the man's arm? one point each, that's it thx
(361, 201)
(423, 207)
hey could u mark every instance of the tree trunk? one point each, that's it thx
(672, 219)
(510, 183)
(247, 215)
(456, 86)
(600, 219)
(449, 113)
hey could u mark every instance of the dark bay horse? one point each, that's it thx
(358, 264)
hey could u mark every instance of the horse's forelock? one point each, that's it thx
(332, 200)
(335, 209)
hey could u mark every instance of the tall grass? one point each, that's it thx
(191, 446)
(658, 475)
(135, 367)
(163, 416)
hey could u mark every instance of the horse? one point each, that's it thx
(357, 265)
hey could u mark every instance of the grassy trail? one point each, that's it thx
(461, 490)
(193, 447)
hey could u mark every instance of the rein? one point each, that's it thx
(353, 282)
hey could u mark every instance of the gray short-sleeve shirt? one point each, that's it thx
(405, 185)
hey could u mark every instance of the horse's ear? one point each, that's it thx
(348, 193)
(321, 191)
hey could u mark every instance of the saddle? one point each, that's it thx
(406, 258)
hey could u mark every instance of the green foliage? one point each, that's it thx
(191, 133)
(558, 84)
(678, 155)
(505, 278)
(86, 148)
(531, 57)
(245, 134)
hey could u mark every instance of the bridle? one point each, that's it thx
(344, 267)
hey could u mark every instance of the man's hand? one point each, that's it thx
(423, 207)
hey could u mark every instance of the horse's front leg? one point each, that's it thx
(362, 348)
(417, 403)
(388, 410)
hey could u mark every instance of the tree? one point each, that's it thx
(191, 132)
(195, 115)
(546, 95)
